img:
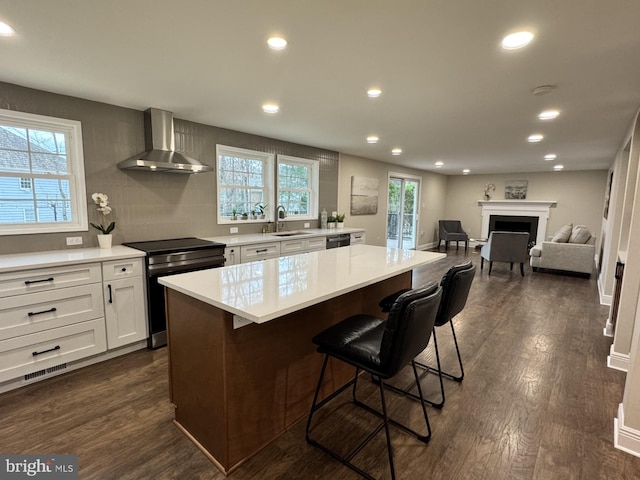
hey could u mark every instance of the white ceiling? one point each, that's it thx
(450, 92)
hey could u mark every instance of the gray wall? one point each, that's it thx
(580, 197)
(432, 198)
(147, 205)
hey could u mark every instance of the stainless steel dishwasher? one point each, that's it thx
(338, 240)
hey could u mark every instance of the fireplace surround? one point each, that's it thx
(538, 209)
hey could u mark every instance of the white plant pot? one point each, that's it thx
(105, 240)
(331, 225)
(340, 225)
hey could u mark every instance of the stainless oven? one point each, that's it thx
(168, 257)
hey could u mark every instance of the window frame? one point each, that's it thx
(268, 180)
(72, 129)
(314, 196)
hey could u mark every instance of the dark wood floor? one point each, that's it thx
(537, 402)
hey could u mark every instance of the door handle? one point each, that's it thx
(110, 294)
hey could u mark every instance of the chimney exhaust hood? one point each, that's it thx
(160, 154)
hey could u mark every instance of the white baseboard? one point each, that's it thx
(604, 299)
(625, 438)
(607, 331)
(618, 361)
(427, 246)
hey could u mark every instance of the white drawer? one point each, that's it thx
(250, 253)
(289, 247)
(34, 312)
(31, 353)
(317, 243)
(131, 267)
(357, 238)
(41, 279)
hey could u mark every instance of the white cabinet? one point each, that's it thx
(316, 243)
(259, 251)
(124, 304)
(231, 256)
(48, 317)
(302, 245)
(357, 237)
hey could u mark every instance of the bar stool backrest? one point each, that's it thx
(455, 284)
(408, 328)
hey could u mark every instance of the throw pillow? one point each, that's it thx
(580, 234)
(562, 235)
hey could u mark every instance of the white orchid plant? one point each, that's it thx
(104, 209)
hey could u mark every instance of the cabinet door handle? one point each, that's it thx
(35, 354)
(124, 269)
(29, 282)
(52, 309)
(110, 294)
(264, 250)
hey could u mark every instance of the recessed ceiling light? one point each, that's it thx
(535, 138)
(548, 114)
(374, 92)
(6, 30)
(439, 164)
(558, 167)
(372, 139)
(550, 156)
(396, 151)
(466, 171)
(517, 40)
(270, 108)
(277, 43)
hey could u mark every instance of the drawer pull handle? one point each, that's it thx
(124, 269)
(57, 347)
(264, 250)
(52, 309)
(110, 294)
(29, 282)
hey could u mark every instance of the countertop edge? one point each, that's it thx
(56, 258)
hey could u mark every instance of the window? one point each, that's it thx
(25, 183)
(245, 180)
(298, 187)
(42, 185)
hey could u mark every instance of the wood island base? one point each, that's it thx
(235, 391)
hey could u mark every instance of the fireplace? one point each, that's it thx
(515, 223)
(517, 211)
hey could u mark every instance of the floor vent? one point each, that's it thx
(46, 371)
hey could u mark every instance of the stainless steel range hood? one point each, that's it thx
(160, 154)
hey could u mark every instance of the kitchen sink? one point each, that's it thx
(289, 234)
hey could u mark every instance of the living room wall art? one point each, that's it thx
(364, 195)
(515, 189)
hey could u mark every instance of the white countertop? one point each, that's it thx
(268, 289)
(250, 238)
(55, 258)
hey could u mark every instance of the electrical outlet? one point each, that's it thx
(74, 241)
(233, 230)
(306, 225)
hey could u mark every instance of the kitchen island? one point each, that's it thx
(242, 368)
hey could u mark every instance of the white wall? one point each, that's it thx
(432, 198)
(580, 197)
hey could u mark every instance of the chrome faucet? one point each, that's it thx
(280, 215)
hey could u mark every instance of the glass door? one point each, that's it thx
(402, 213)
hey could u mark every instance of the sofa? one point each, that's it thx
(574, 252)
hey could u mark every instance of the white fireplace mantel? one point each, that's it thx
(525, 208)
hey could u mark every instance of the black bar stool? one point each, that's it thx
(456, 284)
(380, 348)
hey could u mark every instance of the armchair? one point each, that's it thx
(451, 231)
(505, 247)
